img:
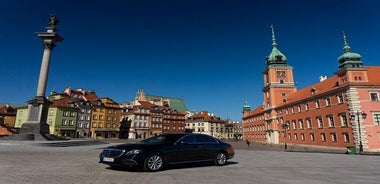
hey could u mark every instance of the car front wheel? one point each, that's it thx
(153, 162)
(220, 159)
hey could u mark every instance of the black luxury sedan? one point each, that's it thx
(154, 153)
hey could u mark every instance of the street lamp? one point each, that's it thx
(285, 127)
(364, 115)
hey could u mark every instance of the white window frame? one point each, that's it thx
(340, 98)
(346, 136)
(328, 101)
(301, 125)
(323, 137)
(376, 118)
(309, 123)
(330, 118)
(317, 104)
(64, 122)
(312, 137)
(376, 98)
(320, 122)
(343, 120)
(333, 137)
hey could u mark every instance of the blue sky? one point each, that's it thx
(211, 53)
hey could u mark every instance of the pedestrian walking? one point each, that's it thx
(247, 141)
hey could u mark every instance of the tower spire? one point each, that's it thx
(349, 59)
(346, 47)
(274, 44)
(275, 57)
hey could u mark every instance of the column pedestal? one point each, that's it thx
(36, 127)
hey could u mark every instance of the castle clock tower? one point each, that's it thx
(278, 85)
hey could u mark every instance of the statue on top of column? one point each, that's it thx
(53, 21)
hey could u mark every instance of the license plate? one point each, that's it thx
(106, 159)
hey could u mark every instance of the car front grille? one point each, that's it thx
(112, 153)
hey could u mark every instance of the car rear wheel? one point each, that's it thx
(220, 159)
(153, 162)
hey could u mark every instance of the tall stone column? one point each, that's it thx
(36, 125)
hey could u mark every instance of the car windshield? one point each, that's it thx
(170, 138)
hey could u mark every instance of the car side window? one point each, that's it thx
(205, 139)
(188, 139)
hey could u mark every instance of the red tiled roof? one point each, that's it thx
(256, 111)
(80, 93)
(64, 102)
(146, 104)
(91, 96)
(332, 83)
(373, 75)
(206, 116)
(4, 131)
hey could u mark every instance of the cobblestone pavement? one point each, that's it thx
(31, 163)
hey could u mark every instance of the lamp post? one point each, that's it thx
(364, 116)
(285, 127)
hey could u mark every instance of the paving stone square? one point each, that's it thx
(24, 163)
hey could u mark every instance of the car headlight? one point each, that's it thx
(133, 152)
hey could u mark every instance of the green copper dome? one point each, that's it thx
(275, 57)
(246, 107)
(349, 59)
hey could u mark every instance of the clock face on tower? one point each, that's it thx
(281, 74)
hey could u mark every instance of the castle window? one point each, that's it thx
(333, 137)
(331, 121)
(317, 104)
(340, 98)
(309, 124)
(312, 137)
(343, 119)
(302, 136)
(313, 90)
(346, 137)
(376, 118)
(320, 122)
(294, 125)
(328, 101)
(374, 96)
(301, 124)
(323, 137)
